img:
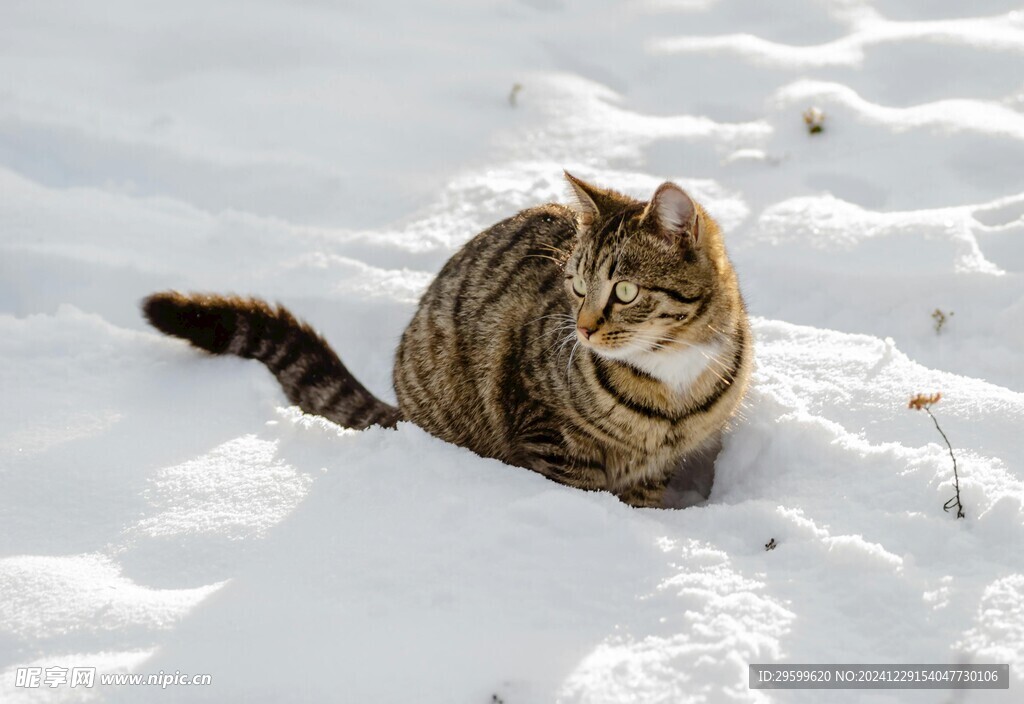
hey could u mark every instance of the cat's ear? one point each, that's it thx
(582, 200)
(674, 214)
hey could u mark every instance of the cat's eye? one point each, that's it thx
(626, 291)
(579, 286)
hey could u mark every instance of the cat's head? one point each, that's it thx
(645, 278)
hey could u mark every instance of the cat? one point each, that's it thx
(603, 344)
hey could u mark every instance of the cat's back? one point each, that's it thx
(514, 254)
(459, 362)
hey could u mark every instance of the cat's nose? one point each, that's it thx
(585, 331)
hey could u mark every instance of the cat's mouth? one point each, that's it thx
(623, 340)
(599, 340)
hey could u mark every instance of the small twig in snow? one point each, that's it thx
(921, 402)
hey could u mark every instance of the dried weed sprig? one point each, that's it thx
(514, 93)
(923, 402)
(941, 318)
(814, 118)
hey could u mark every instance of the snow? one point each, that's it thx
(161, 511)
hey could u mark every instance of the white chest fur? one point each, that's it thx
(678, 369)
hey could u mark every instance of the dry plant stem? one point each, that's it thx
(955, 501)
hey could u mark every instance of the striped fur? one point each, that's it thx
(494, 359)
(504, 356)
(310, 372)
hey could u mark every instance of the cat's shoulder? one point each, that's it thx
(542, 223)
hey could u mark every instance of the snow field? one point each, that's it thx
(159, 511)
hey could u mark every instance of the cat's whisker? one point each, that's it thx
(559, 262)
(643, 346)
(569, 336)
(560, 319)
(715, 372)
(715, 360)
(720, 333)
(552, 315)
(565, 341)
(568, 368)
(652, 341)
(563, 326)
(567, 322)
(556, 250)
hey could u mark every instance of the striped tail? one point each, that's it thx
(309, 371)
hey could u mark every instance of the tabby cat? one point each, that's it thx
(603, 345)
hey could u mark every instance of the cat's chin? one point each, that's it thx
(621, 353)
(628, 353)
(675, 367)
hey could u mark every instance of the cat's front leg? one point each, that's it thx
(571, 470)
(559, 459)
(691, 482)
(649, 493)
